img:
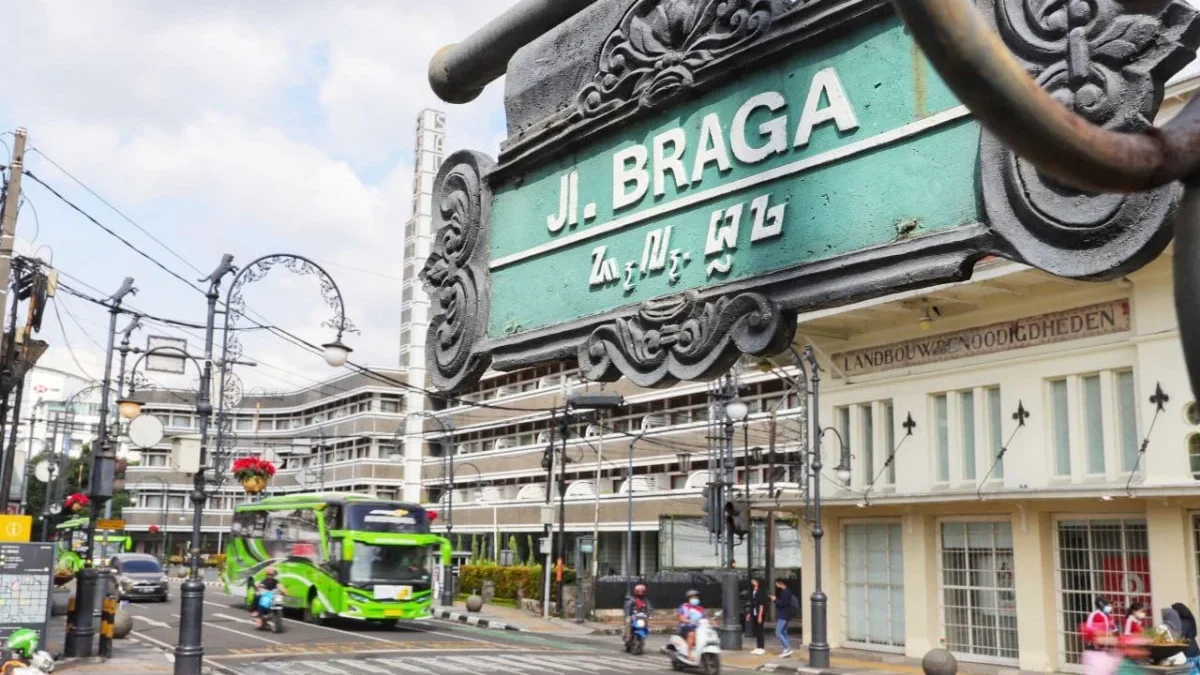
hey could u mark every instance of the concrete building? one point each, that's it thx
(336, 436)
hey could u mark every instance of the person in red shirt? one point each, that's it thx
(1100, 625)
(1135, 619)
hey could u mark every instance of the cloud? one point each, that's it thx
(239, 127)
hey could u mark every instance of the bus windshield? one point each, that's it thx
(389, 564)
(384, 518)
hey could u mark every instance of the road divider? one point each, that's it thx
(473, 620)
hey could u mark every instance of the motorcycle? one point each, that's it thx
(21, 655)
(707, 658)
(639, 628)
(270, 611)
(41, 664)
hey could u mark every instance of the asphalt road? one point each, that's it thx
(234, 646)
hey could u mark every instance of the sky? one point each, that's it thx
(248, 128)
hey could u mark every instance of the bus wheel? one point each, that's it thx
(386, 624)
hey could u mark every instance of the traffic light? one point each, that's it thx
(711, 521)
(737, 514)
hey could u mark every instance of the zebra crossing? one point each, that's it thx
(511, 663)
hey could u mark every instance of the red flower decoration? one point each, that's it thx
(253, 466)
(153, 529)
(78, 499)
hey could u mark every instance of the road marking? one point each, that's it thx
(152, 622)
(236, 619)
(404, 665)
(237, 632)
(504, 664)
(462, 667)
(362, 666)
(575, 663)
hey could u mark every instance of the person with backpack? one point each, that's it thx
(787, 606)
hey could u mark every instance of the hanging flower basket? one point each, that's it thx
(253, 472)
(76, 502)
(153, 529)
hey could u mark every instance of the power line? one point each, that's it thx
(119, 212)
(62, 328)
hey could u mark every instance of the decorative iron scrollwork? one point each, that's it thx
(1108, 63)
(455, 273)
(660, 45)
(684, 338)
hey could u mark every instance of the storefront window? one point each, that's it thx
(979, 603)
(873, 576)
(1100, 558)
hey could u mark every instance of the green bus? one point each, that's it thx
(71, 539)
(339, 555)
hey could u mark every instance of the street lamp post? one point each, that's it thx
(736, 411)
(189, 652)
(448, 451)
(100, 488)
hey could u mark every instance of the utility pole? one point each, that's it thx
(50, 496)
(8, 212)
(33, 420)
(769, 554)
(564, 430)
(124, 350)
(548, 527)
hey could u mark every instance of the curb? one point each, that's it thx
(472, 620)
(798, 669)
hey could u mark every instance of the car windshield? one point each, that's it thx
(140, 566)
(109, 549)
(389, 564)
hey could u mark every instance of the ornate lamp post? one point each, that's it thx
(189, 652)
(449, 449)
(100, 489)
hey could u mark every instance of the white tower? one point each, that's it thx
(414, 303)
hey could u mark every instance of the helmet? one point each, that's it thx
(640, 589)
(23, 642)
(42, 661)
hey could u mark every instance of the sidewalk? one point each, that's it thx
(129, 656)
(847, 662)
(511, 618)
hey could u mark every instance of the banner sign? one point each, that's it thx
(691, 174)
(1044, 329)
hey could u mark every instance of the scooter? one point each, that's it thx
(708, 651)
(270, 611)
(41, 664)
(639, 628)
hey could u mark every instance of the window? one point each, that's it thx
(941, 427)
(1093, 423)
(889, 441)
(1098, 557)
(995, 430)
(1193, 442)
(868, 444)
(154, 459)
(874, 578)
(844, 425)
(1127, 419)
(966, 405)
(1061, 427)
(244, 424)
(1191, 413)
(979, 602)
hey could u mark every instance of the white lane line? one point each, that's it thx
(236, 619)
(362, 666)
(413, 626)
(238, 632)
(521, 664)
(405, 665)
(152, 622)
(464, 665)
(576, 663)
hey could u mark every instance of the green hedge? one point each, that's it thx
(506, 579)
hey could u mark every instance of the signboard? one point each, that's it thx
(1043, 329)
(110, 524)
(16, 529)
(170, 357)
(668, 217)
(26, 582)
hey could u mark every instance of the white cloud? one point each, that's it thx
(240, 127)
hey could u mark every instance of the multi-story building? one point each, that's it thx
(342, 435)
(414, 302)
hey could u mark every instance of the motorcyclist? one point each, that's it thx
(690, 613)
(269, 583)
(635, 604)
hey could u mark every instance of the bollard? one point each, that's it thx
(70, 613)
(108, 613)
(939, 662)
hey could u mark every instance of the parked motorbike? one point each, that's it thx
(40, 664)
(707, 658)
(22, 657)
(270, 611)
(639, 628)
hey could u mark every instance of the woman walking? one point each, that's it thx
(785, 610)
(758, 614)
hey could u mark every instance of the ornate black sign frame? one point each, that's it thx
(1106, 61)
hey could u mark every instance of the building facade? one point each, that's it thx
(342, 435)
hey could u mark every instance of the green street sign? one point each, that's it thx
(832, 150)
(682, 178)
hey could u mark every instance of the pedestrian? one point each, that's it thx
(758, 614)
(1188, 631)
(1172, 628)
(1100, 624)
(1135, 618)
(785, 609)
